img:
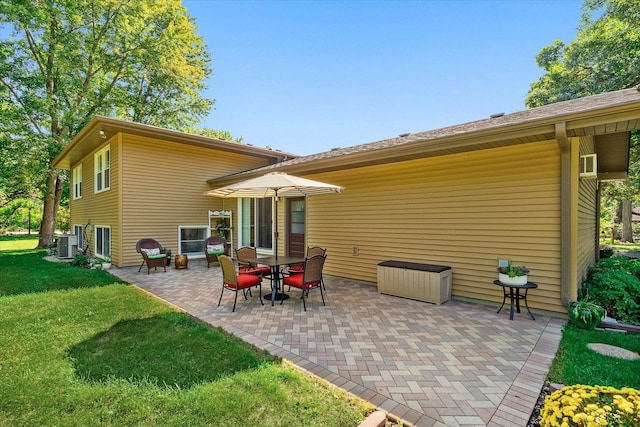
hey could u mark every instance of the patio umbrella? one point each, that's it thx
(275, 184)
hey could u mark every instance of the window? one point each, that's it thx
(77, 182)
(102, 166)
(103, 241)
(256, 223)
(77, 230)
(191, 238)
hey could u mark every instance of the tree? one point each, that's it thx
(64, 61)
(604, 57)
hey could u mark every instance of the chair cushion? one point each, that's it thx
(297, 268)
(296, 281)
(246, 281)
(215, 249)
(151, 251)
(156, 256)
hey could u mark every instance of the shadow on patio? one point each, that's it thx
(456, 364)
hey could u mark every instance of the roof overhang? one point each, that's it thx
(102, 128)
(614, 113)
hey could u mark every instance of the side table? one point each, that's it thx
(181, 261)
(514, 295)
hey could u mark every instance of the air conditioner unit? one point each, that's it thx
(67, 245)
(589, 166)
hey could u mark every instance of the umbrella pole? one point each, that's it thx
(276, 227)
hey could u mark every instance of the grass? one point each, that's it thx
(575, 363)
(79, 348)
(620, 246)
(18, 242)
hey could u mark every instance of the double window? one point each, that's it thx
(77, 181)
(102, 166)
(103, 241)
(256, 223)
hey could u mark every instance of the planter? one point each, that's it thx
(106, 265)
(585, 315)
(518, 280)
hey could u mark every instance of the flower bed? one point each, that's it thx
(583, 405)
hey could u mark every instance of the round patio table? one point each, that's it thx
(514, 295)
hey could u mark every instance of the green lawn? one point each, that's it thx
(79, 348)
(575, 363)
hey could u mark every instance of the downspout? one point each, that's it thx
(568, 216)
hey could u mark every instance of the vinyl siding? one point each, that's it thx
(587, 209)
(464, 210)
(163, 186)
(99, 208)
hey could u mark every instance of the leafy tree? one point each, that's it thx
(64, 61)
(604, 57)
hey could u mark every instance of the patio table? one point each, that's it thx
(515, 295)
(274, 262)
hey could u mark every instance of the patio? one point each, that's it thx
(457, 364)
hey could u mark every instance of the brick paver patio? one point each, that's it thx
(457, 364)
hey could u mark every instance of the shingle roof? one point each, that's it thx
(536, 124)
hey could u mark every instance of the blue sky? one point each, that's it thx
(308, 76)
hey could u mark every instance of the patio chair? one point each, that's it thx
(214, 246)
(311, 252)
(153, 254)
(246, 252)
(311, 278)
(237, 281)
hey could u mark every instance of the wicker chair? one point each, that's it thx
(153, 254)
(311, 252)
(214, 246)
(311, 278)
(246, 252)
(237, 282)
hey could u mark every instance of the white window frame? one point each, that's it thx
(78, 230)
(77, 182)
(200, 252)
(102, 169)
(101, 252)
(254, 229)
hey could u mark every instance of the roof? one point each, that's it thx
(100, 128)
(606, 113)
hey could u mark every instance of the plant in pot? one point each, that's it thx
(584, 314)
(513, 274)
(97, 264)
(106, 262)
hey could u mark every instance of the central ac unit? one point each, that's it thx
(67, 244)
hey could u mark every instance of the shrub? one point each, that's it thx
(614, 283)
(583, 405)
(80, 260)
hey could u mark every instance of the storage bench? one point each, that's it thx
(422, 282)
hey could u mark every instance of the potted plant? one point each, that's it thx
(97, 264)
(513, 275)
(584, 314)
(106, 262)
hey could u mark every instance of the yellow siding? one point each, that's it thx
(587, 227)
(101, 208)
(464, 210)
(163, 186)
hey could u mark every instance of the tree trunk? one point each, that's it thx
(627, 230)
(49, 209)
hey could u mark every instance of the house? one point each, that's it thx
(521, 186)
(130, 181)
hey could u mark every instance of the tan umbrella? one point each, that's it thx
(275, 184)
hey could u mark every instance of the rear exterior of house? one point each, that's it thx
(465, 196)
(134, 181)
(469, 195)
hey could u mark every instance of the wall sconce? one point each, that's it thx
(102, 134)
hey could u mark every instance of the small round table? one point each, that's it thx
(515, 296)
